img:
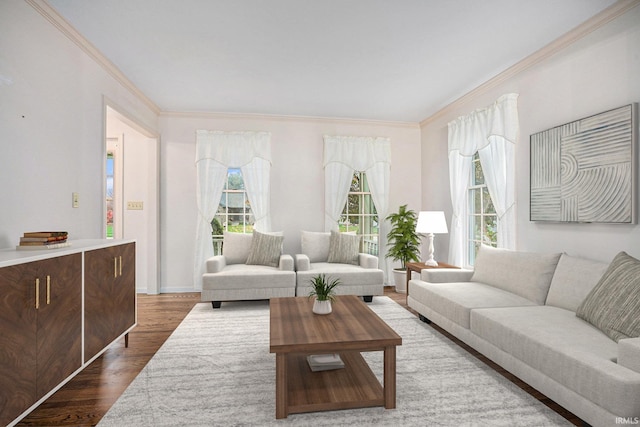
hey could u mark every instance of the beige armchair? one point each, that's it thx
(252, 267)
(336, 255)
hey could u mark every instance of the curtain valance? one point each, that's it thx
(359, 153)
(233, 149)
(473, 132)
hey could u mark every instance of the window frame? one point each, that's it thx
(473, 217)
(367, 221)
(223, 212)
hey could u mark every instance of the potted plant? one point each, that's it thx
(403, 243)
(323, 290)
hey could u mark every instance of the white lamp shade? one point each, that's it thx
(431, 222)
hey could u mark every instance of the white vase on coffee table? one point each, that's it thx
(322, 307)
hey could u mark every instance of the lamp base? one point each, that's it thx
(431, 262)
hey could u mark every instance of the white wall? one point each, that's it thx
(597, 73)
(51, 128)
(297, 179)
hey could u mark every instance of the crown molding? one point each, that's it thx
(607, 15)
(51, 15)
(276, 117)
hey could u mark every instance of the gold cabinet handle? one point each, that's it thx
(48, 289)
(37, 293)
(120, 265)
(115, 267)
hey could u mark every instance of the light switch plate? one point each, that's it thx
(75, 200)
(135, 205)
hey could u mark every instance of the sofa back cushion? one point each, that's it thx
(235, 247)
(524, 273)
(613, 305)
(315, 245)
(573, 280)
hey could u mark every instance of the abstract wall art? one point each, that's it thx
(585, 171)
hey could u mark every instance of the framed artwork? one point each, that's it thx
(585, 171)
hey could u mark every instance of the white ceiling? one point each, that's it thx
(399, 60)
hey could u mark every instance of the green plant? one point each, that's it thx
(323, 288)
(402, 239)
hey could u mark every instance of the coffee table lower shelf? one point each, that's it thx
(354, 386)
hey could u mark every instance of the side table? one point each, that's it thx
(419, 266)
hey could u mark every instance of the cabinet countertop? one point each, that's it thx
(12, 256)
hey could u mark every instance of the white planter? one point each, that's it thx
(322, 307)
(400, 280)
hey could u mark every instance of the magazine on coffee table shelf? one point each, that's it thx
(325, 362)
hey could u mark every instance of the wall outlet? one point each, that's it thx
(75, 200)
(135, 206)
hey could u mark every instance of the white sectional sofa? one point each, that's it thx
(525, 312)
(336, 255)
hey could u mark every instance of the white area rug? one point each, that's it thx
(216, 369)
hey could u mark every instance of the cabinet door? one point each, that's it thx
(17, 341)
(125, 289)
(109, 294)
(59, 333)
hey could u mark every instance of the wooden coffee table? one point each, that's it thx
(352, 327)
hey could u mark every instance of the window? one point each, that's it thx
(360, 216)
(481, 213)
(234, 212)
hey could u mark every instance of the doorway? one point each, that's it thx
(131, 192)
(114, 190)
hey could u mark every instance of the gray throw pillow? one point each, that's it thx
(344, 248)
(613, 305)
(265, 249)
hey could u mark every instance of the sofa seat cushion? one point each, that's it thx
(237, 276)
(348, 274)
(565, 348)
(456, 300)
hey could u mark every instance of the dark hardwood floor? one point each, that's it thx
(85, 399)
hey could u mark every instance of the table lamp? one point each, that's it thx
(430, 223)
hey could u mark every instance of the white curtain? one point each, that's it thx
(256, 181)
(216, 152)
(459, 172)
(337, 181)
(343, 156)
(492, 132)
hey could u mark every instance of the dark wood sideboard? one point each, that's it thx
(42, 318)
